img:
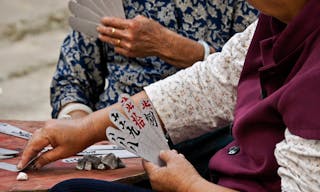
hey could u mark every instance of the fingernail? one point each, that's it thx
(19, 166)
(161, 152)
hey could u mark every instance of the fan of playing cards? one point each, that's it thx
(88, 13)
(141, 134)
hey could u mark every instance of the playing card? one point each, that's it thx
(117, 7)
(101, 6)
(14, 131)
(83, 12)
(92, 6)
(84, 26)
(122, 139)
(87, 14)
(124, 124)
(142, 148)
(139, 119)
(118, 153)
(6, 156)
(102, 147)
(114, 8)
(151, 116)
(108, 7)
(138, 133)
(8, 167)
(4, 151)
(129, 134)
(12, 167)
(107, 151)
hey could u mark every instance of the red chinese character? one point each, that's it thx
(145, 104)
(124, 99)
(138, 120)
(129, 107)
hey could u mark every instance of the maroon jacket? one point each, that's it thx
(279, 88)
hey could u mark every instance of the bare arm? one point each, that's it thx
(68, 137)
(142, 37)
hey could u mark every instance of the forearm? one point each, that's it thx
(142, 37)
(179, 51)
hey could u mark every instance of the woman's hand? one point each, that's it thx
(137, 37)
(67, 137)
(142, 37)
(178, 174)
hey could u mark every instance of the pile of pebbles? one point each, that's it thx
(109, 161)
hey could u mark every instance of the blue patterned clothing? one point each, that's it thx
(91, 73)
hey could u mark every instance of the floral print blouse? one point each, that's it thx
(184, 100)
(213, 83)
(91, 73)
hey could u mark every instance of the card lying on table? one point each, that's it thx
(14, 131)
(8, 167)
(4, 151)
(139, 132)
(12, 167)
(88, 13)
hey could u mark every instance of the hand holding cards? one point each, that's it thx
(141, 134)
(88, 13)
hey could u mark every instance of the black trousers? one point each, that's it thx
(198, 151)
(93, 185)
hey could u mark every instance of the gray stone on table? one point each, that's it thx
(109, 161)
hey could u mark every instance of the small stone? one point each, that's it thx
(80, 164)
(110, 160)
(88, 166)
(120, 163)
(22, 176)
(101, 166)
(95, 161)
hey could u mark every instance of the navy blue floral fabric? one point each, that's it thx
(90, 72)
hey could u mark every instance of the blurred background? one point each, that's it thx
(31, 32)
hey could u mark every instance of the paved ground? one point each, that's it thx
(30, 35)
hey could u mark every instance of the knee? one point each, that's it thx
(71, 185)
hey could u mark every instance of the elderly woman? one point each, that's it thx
(157, 39)
(275, 111)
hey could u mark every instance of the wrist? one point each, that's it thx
(194, 184)
(88, 126)
(166, 43)
(200, 184)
